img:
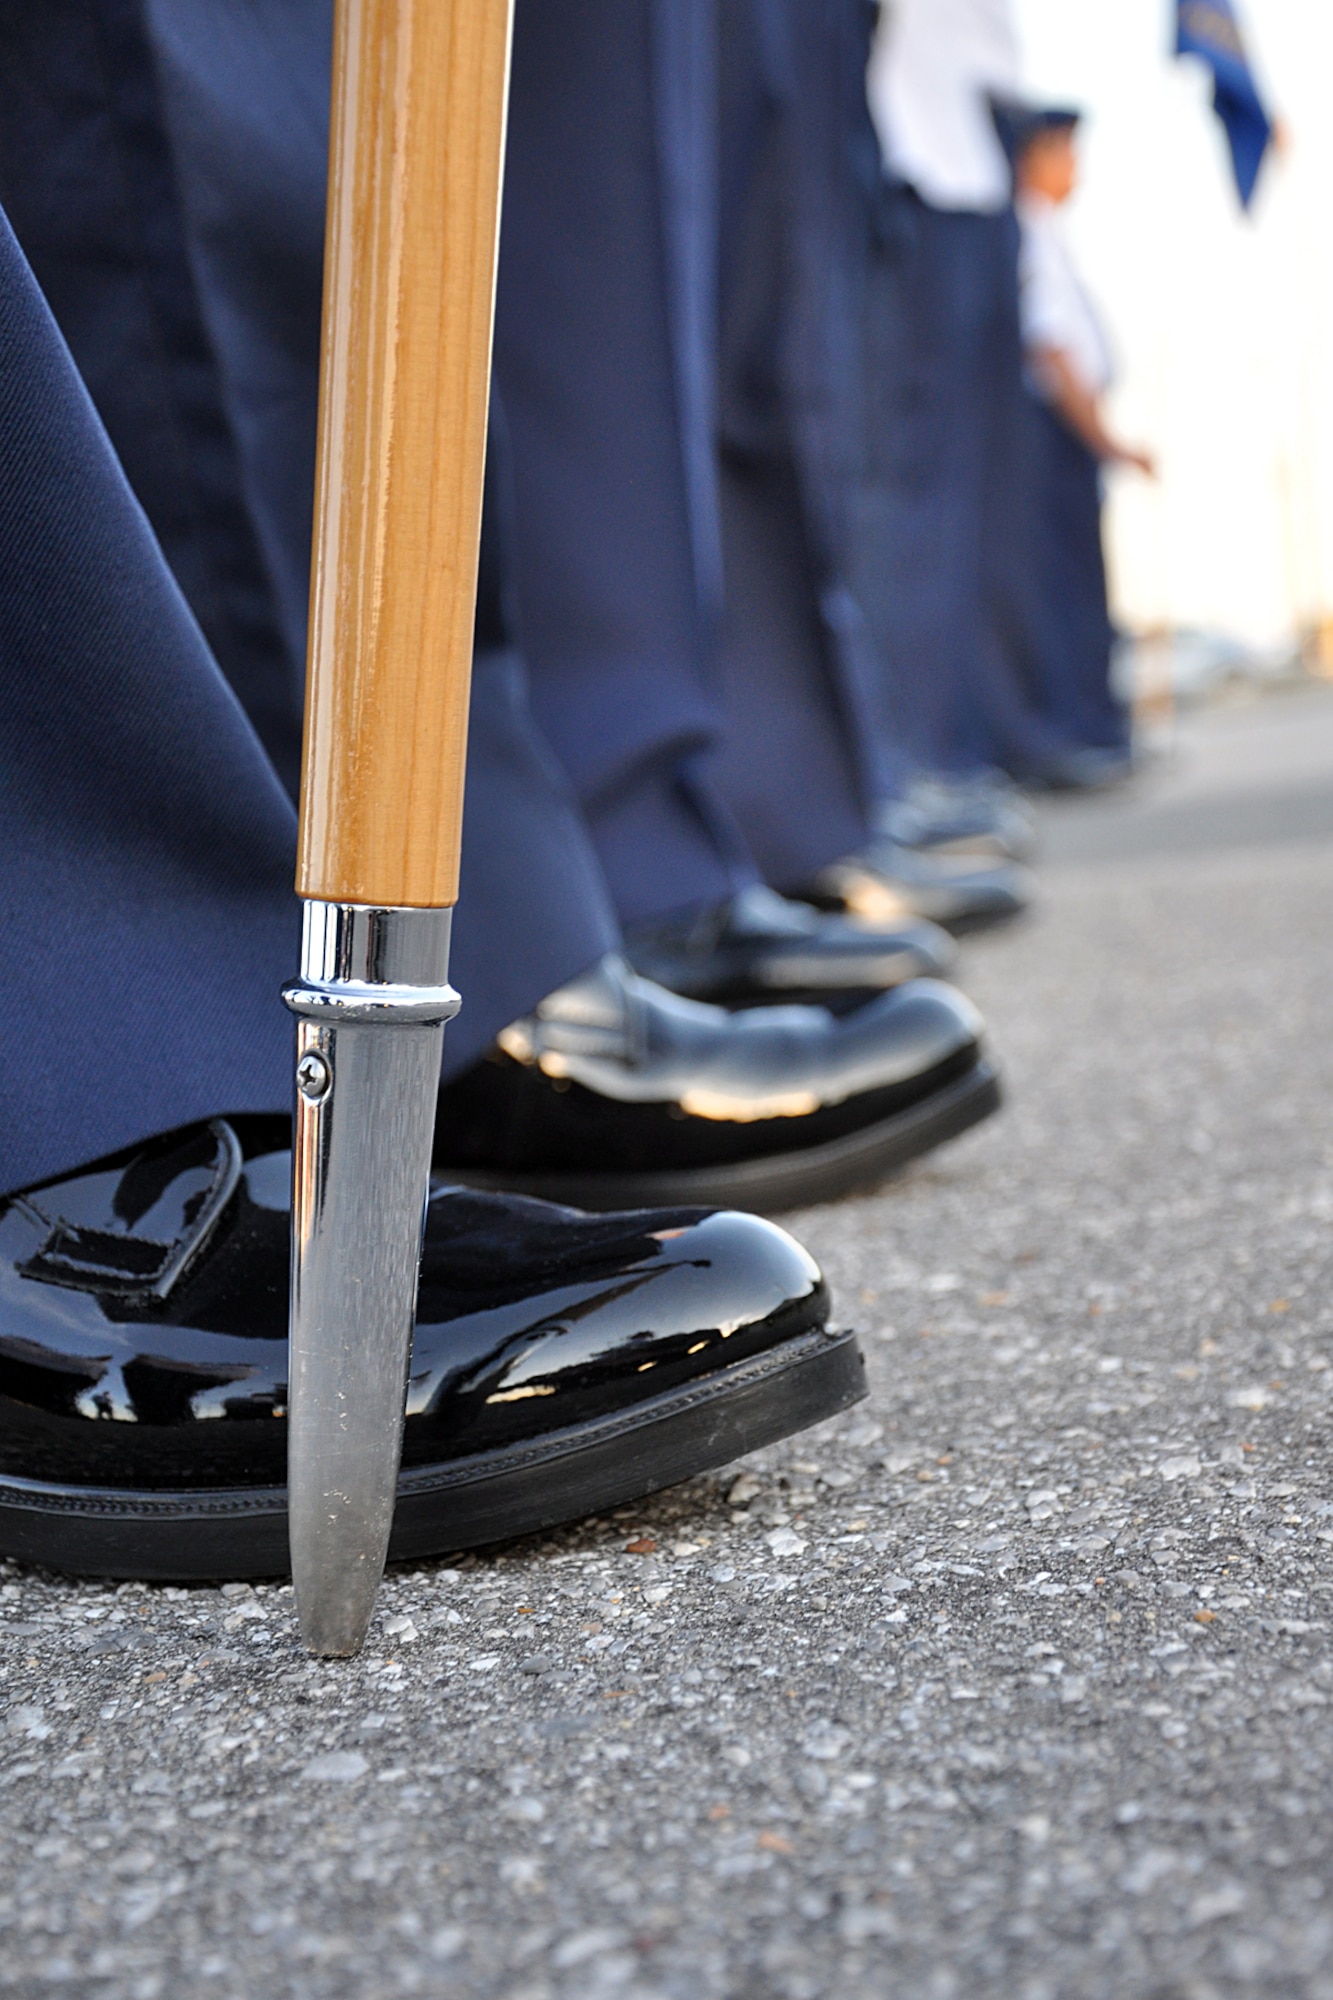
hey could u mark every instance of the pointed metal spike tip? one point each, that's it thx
(371, 1002)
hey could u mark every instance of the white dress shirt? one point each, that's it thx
(933, 65)
(1057, 311)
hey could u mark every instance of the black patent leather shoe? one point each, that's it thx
(886, 881)
(986, 816)
(1080, 769)
(758, 948)
(617, 1094)
(562, 1363)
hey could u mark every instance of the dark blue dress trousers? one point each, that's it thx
(938, 549)
(1071, 630)
(164, 871)
(797, 665)
(603, 357)
(689, 729)
(146, 892)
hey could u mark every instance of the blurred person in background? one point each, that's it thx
(800, 671)
(1068, 443)
(940, 563)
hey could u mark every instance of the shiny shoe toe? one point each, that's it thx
(758, 948)
(887, 881)
(616, 1093)
(562, 1363)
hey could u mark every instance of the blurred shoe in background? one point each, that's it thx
(984, 815)
(758, 947)
(887, 882)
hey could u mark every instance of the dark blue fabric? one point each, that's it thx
(88, 179)
(938, 555)
(797, 674)
(783, 766)
(838, 188)
(244, 93)
(146, 889)
(683, 58)
(226, 241)
(602, 356)
(606, 331)
(1072, 629)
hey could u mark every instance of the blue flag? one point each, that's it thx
(1208, 28)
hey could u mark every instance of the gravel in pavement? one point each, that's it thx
(1016, 1680)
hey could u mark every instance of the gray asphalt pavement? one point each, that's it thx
(1016, 1681)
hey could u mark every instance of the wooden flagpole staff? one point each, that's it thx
(416, 157)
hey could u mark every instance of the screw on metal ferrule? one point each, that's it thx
(314, 1078)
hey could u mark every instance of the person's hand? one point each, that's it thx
(1142, 461)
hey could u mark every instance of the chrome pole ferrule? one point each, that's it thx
(371, 1004)
(364, 964)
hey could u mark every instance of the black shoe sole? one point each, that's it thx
(781, 1181)
(494, 1496)
(987, 917)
